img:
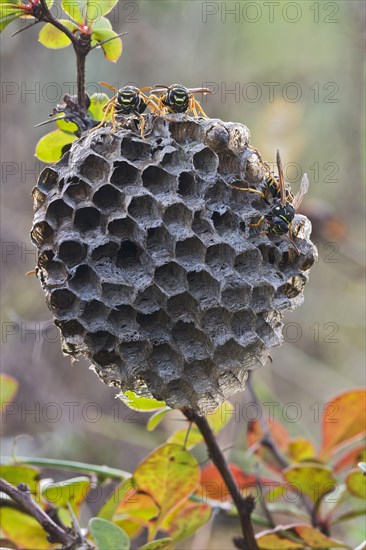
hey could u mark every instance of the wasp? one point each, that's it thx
(283, 206)
(179, 99)
(272, 184)
(129, 100)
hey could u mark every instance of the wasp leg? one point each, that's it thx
(259, 223)
(142, 126)
(196, 106)
(249, 190)
(114, 120)
(108, 107)
(290, 238)
(154, 102)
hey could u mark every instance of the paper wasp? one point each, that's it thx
(128, 100)
(283, 206)
(179, 99)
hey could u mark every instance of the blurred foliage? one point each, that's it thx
(168, 491)
(320, 133)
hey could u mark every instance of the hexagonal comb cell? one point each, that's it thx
(58, 212)
(107, 197)
(158, 181)
(124, 174)
(87, 219)
(149, 264)
(47, 180)
(72, 252)
(95, 169)
(206, 161)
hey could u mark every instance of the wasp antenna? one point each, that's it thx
(109, 86)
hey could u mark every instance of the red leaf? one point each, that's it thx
(213, 486)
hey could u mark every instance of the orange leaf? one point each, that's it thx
(279, 435)
(315, 539)
(138, 505)
(275, 539)
(344, 418)
(170, 474)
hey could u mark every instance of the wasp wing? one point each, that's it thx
(304, 187)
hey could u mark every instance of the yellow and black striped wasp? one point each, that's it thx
(179, 99)
(283, 205)
(128, 100)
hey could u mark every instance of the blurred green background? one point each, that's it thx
(293, 73)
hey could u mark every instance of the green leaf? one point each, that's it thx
(356, 483)
(14, 474)
(180, 437)
(142, 404)
(4, 22)
(86, 12)
(76, 9)
(53, 38)
(68, 127)
(8, 389)
(315, 480)
(217, 420)
(188, 520)
(22, 529)
(156, 418)
(73, 491)
(160, 544)
(8, 12)
(122, 492)
(97, 102)
(52, 146)
(97, 8)
(102, 23)
(113, 49)
(108, 536)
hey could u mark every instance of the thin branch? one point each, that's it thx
(81, 47)
(21, 495)
(101, 471)
(35, 22)
(267, 439)
(268, 442)
(245, 506)
(49, 18)
(265, 509)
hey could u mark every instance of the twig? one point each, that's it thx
(81, 47)
(259, 483)
(108, 40)
(268, 442)
(21, 495)
(245, 506)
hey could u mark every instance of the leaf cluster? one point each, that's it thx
(170, 493)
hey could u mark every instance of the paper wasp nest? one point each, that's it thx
(150, 267)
